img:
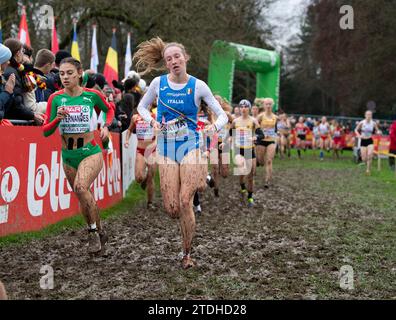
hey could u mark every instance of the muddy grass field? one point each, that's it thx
(315, 218)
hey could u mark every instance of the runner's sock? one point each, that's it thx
(250, 195)
(243, 186)
(196, 199)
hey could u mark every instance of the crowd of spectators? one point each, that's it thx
(28, 80)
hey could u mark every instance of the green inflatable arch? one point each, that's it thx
(226, 56)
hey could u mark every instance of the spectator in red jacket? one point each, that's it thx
(392, 147)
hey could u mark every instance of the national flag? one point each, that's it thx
(23, 34)
(54, 42)
(128, 56)
(94, 52)
(111, 67)
(74, 49)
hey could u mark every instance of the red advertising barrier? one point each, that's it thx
(381, 143)
(34, 191)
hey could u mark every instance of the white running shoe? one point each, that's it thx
(198, 210)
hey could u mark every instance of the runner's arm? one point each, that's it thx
(51, 121)
(148, 99)
(106, 107)
(131, 128)
(358, 127)
(203, 93)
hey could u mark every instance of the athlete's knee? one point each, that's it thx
(139, 178)
(185, 200)
(224, 173)
(173, 210)
(80, 188)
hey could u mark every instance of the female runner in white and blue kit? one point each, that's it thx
(182, 168)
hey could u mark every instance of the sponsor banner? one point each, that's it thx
(128, 161)
(34, 191)
(381, 145)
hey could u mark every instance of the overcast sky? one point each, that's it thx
(286, 16)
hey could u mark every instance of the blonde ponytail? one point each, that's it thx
(150, 55)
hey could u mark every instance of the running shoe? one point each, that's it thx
(150, 206)
(103, 237)
(266, 185)
(210, 181)
(187, 262)
(216, 192)
(197, 210)
(250, 202)
(243, 191)
(94, 244)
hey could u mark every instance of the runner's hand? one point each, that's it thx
(39, 118)
(210, 130)
(126, 145)
(61, 114)
(156, 125)
(104, 133)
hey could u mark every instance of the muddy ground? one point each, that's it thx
(291, 245)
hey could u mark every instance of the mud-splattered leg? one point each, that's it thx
(269, 157)
(140, 166)
(189, 170)
(87, 172)
(3, 293)
(170, 185)
(70, 174)
(150, 183)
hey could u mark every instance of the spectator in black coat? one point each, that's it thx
(45, 62)
(124, 110)
(53, 79)
(17, 110)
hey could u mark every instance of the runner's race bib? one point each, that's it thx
(223, 134)
(243, 138)
(77, 121)
(176, 130)
(269, 132)
(337, 134)
(144, 131)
